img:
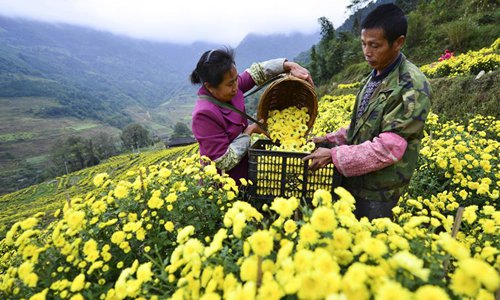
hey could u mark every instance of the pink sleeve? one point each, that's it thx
(370, 156)
(245, 82)
(338, 137)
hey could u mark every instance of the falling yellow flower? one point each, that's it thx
(185, 233)
(409, 262)
(26, 274)
(40, 295)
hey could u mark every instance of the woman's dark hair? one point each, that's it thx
(388, 17)
(212, 66)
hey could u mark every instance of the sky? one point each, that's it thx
(184, 21)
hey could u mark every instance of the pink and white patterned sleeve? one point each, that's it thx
(338, 137)
(370, 156)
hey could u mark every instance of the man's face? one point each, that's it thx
(376, 49)
(227, 89)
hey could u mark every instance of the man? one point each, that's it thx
(377, 154)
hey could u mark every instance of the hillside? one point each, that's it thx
(144, 226)
(457, 98)
(163, 224)
(59, 80)
(433, 28)
(50, 195)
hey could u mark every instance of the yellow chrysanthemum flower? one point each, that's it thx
(261, 242)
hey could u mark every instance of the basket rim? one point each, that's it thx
(289, 77)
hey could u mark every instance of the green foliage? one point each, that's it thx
(105, 145)
(331, 54)
(433, 26)
(72, 154)
(459, 32)
(75, 153)
(181, 130)
(460, 97)
(353, 73)
(135, 136)
(418, 29)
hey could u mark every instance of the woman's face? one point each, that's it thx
(227, 89)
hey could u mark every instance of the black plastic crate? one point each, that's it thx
(284, 174)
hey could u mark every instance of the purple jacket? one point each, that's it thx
(215, 127)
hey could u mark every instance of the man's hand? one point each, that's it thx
(318, 139)
(319, 158)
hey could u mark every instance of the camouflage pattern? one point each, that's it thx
(400, 104)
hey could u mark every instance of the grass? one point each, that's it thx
(459, 98)
(12, 137)
(39, 159)
(84, 126)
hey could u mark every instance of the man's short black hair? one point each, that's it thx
(388, 17)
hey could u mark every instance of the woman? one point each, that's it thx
(223, 134)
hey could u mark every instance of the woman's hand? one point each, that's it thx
(298, 71)
(255, 128)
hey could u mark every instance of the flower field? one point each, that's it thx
(160, 225)
(472, 62)
(51, 195)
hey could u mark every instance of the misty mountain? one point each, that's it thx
(100, 75)
(254, 48)
(92, 74)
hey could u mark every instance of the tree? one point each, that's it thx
(134, 136)
(105, 145)
(329, 56)
(313, 66)
(181, 130)
(355, 7)
(72, 154)
(327, 30)
(407, 5)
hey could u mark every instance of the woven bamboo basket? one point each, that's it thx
(285, 92)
